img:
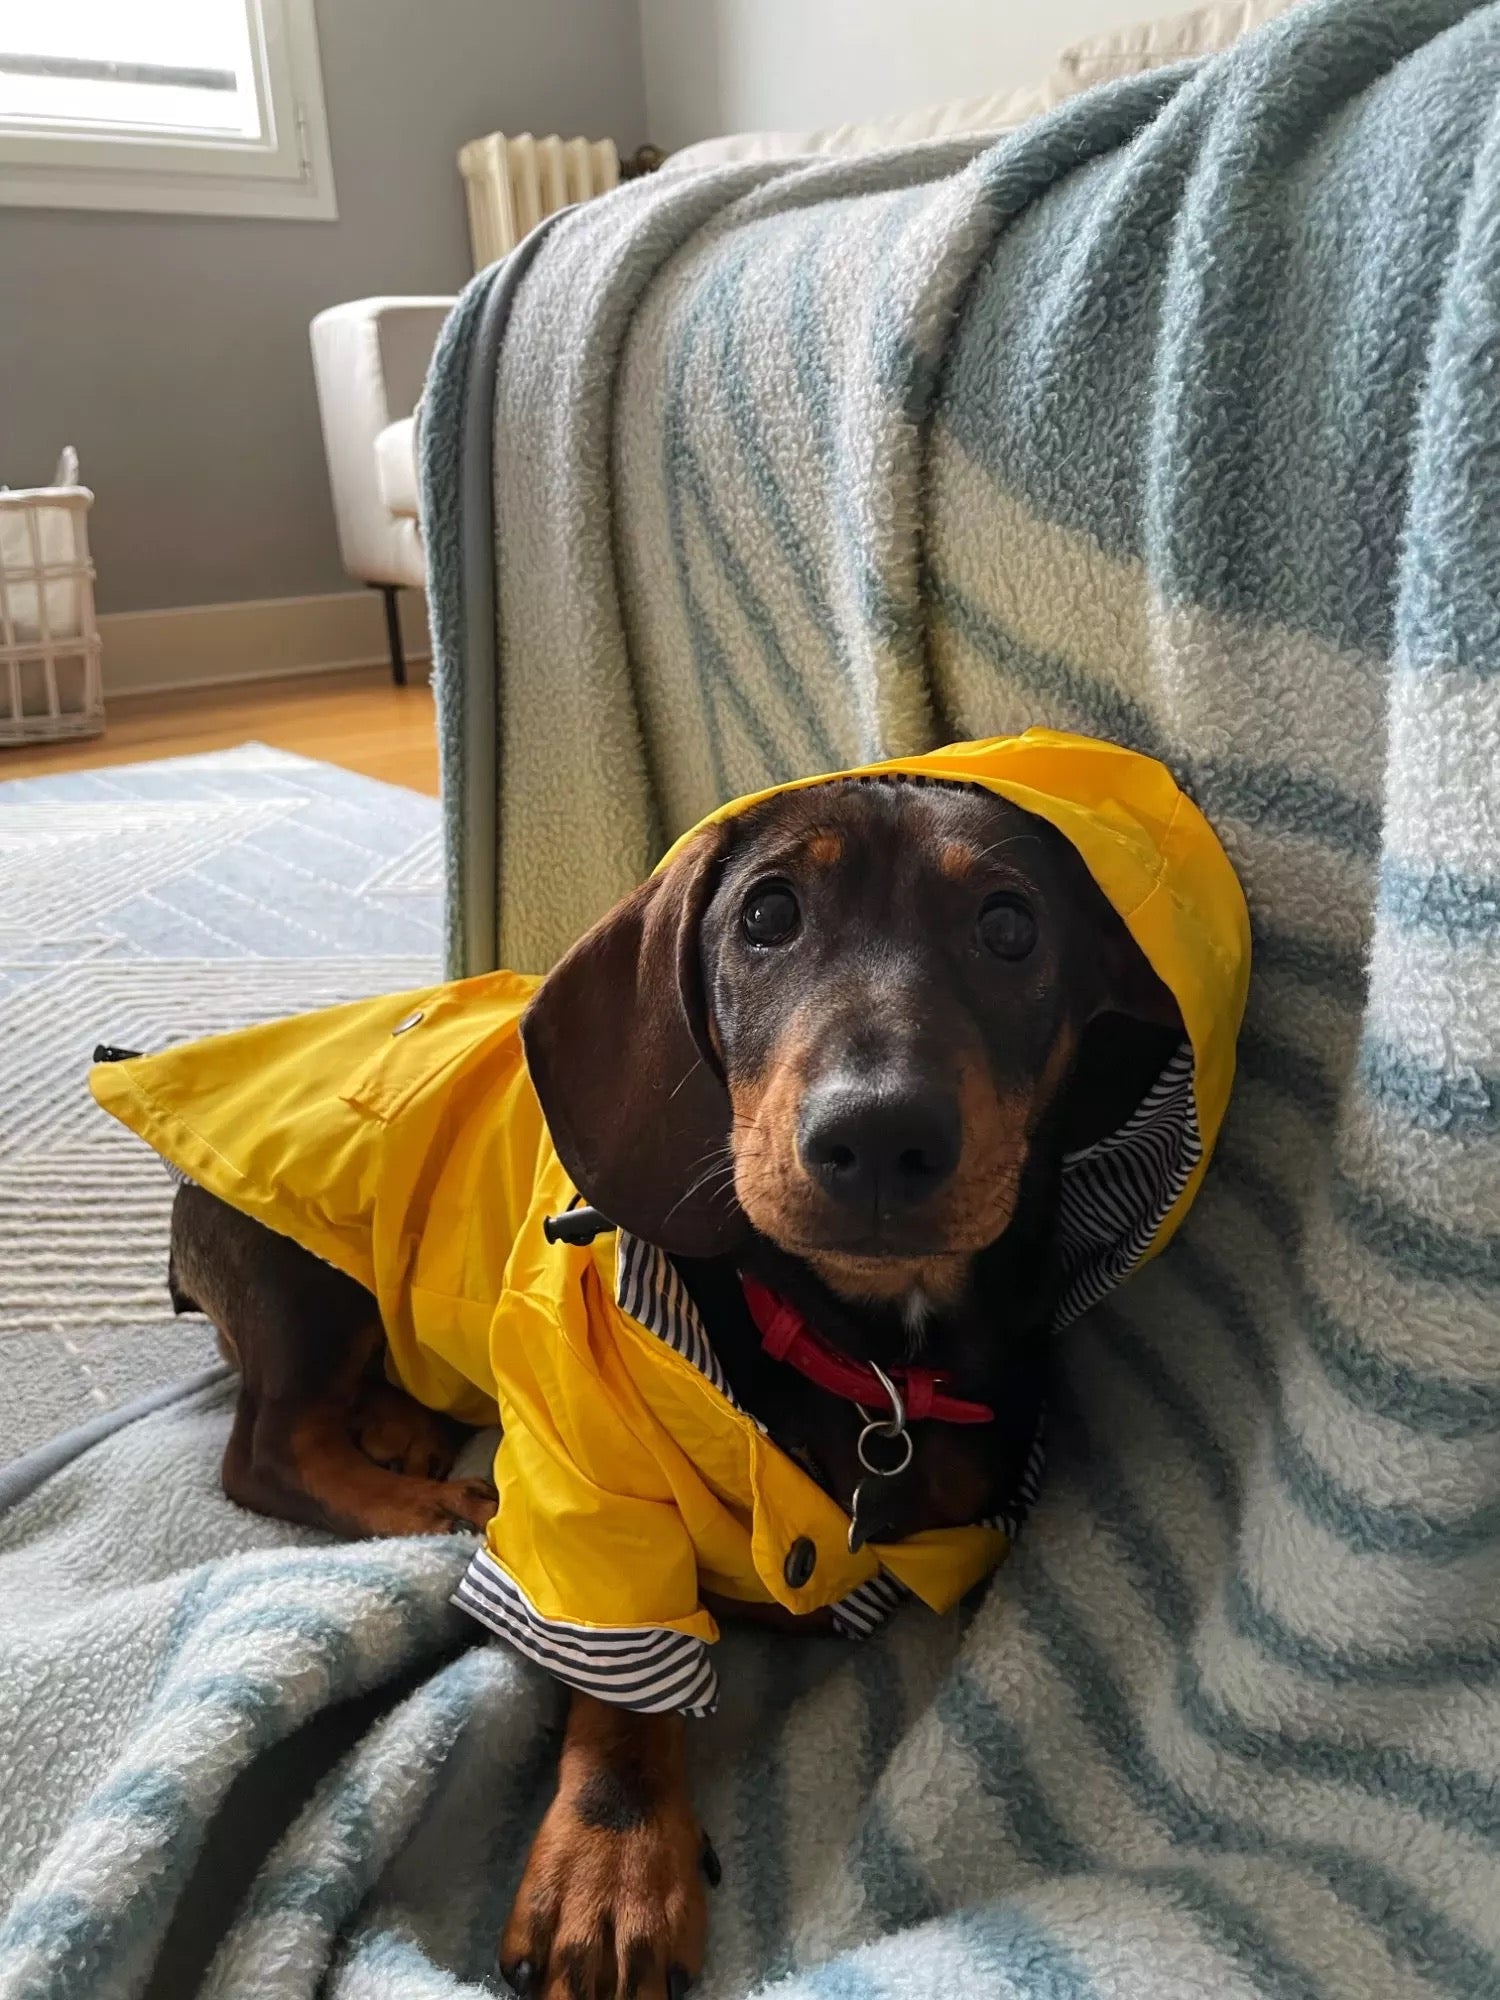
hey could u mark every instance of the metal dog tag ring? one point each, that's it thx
(893, 1427)
(885, 1431)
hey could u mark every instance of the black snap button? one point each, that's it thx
(801, 1561)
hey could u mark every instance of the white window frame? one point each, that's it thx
(288, 174)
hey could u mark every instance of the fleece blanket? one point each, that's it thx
(1174, 417)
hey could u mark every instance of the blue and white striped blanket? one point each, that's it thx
(1176, 417)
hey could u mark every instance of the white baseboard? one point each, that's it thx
(266, 638)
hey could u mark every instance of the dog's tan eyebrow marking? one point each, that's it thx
(958, 859)
(825, 849)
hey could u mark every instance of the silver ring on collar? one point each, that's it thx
(892, 1427)
(862, 1448)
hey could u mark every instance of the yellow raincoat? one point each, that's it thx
(400, 1139)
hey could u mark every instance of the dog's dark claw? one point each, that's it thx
(678, 1982)
(708, 1860)
(520, 1978)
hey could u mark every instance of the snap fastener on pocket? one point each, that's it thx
(801, 1561)
(410, 1021)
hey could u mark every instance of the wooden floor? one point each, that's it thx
(357, 719)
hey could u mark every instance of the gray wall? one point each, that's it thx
(172, 350)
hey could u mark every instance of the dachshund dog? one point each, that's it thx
(839, 1047)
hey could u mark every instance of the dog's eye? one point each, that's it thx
(1007, 927)
(770, 915)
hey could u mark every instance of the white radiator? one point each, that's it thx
(512, 183)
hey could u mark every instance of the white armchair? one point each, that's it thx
(370, 360)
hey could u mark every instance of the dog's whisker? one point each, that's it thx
(1000, 846)
(712, 1156)
(717, 1168)
(711, 1172)
(696, 1066)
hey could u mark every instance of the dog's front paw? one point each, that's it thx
(611, 1904)
(465, 1504)
(430, 1507)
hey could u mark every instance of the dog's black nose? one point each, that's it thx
(879, 1148)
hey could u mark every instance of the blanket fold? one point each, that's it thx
(1170, 418)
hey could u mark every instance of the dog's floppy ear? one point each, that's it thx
(1133, 1030)
(617, 1044)
(1128, 983)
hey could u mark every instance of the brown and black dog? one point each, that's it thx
(880, 1012)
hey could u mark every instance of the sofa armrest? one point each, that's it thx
(369, 363)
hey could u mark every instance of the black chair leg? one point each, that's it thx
(391, 593)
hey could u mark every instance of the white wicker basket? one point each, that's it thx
(49, 644)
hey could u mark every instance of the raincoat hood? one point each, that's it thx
(1161, 867)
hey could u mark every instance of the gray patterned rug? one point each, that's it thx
(142, 905)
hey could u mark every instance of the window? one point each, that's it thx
(212, 107)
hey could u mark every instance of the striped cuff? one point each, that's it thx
(644, 1667)
(866, 1609)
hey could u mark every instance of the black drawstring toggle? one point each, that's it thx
(575, 1225)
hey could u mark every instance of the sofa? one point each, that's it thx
(370, 356)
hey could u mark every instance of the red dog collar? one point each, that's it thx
(786, 1336)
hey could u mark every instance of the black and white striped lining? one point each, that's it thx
(644, 1667)
(1116, 1193)
(648, 1287)
(867, 1608)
